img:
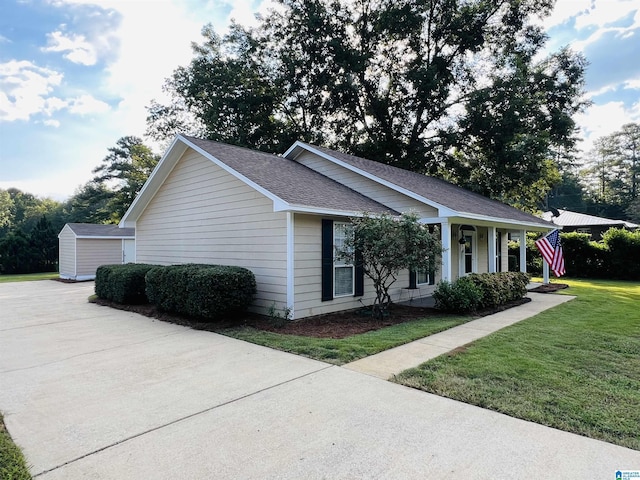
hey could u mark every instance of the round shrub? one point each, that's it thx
(208, 292)
(122, 283)
(460, 296)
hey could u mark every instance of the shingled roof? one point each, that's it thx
(100, 230)
(436, 190)
(290, 181)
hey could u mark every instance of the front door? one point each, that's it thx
(467, 256)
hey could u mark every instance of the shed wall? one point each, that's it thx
(93, 252)
(67, 253)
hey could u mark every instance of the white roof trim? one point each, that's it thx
(321, 211)
(108, 237)
(444, 211)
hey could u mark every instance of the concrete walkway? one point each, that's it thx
(90, 392)
(393, 361)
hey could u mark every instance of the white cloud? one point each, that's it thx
(4, 39)
(78, 49)
(604, 13)
(564, 10)
(600, 120)
(25, 90)
(632, 84)
(86, 104)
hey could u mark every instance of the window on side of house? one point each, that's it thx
(422, 277)
(343, 270)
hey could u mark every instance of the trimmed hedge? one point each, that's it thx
(615, 257)
(122, 283)
(477, 291)
(209, 292)
(500, 288)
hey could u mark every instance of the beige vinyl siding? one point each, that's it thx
(308, 274)
(365, 186)
(93, 252)
(203, 214)
(67, 253)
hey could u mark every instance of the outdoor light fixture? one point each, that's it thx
(462, 241)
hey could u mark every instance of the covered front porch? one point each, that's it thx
(479, 245)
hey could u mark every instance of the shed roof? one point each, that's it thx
(575, 219)
(101, 230)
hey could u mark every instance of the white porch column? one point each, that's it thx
(290, 264)
(493, 258)
(445, 238)
(523, 251)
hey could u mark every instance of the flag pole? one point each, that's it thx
(545, 272)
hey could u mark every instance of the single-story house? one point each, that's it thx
(281, 215)
(583, 223)
(86, 246)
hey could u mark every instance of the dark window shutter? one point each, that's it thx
(359, 273)
(413, 279)
(327, 260)
(432, 277)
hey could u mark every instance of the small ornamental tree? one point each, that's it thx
(383, 245)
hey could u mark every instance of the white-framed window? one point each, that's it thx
(343, 270)
(422, 277)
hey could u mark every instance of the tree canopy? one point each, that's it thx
(455, 89)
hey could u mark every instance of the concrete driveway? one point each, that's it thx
(89, 392)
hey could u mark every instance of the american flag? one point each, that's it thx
(551, 251)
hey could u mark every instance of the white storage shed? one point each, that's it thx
(86, 246)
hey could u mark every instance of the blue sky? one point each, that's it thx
(76, 75)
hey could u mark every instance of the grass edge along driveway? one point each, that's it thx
(13, 465)
(575, 367)
(348, 349)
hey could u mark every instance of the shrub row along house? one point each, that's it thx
(281, 216)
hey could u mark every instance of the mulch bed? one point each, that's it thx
(549, 288)
(335, 325)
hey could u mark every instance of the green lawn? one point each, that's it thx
(12, 462)
(27, 277)
(345, 350)
(575, 367)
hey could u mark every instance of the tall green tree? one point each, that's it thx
(455, 89)
(43, 241)
(89, 204)
(611, 170)
(121, 175)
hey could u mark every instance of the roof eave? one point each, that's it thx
(325, 211)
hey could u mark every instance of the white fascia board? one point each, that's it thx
(444, 211)
(320, 211)
(66, 227)
(277, 201)
(107, 237)
(430, 220)
(482, 220)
